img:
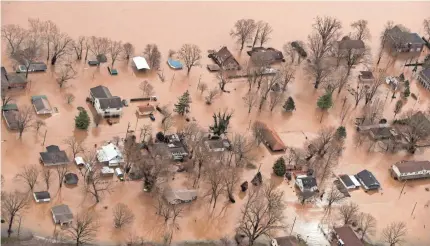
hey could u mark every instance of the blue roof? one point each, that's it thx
(175, 64)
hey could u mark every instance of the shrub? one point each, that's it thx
(289, 104)
(279, 167)
(341, 132)
(82, 121)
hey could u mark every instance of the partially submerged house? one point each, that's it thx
(345, 236)
(53, 156)
(12, 80)
(42, 196)
(349, 181)
(367, 180)
(224, 59)
(285, 241)
(347, 46)
(265, 56)
(424, 78)
(145, 110)
(110, 155)
(404, 41)
(41, 104)
(105, 104)
(10, 114)
(62, 214)
(405, 170)
(141, 63)
(382, 133)
(35, 66)
(176, 147)
(179, 196)
(269, 137)
(366, 77)
(71, 179)
(306, 183)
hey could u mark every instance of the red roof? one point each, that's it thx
(271, 138)
(348, 236)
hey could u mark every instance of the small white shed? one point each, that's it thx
(140, 63)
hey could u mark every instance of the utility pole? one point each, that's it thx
(404, 184)
(44, 137)
(200, 77)
(295, 217)
(414, 208)
(137, 119)
(128, 127)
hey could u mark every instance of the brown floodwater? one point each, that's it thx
(207, 24)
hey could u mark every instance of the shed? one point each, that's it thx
(179, 196)
(144, 110)
(62, 214)
(213, 67)
(41, 104)
(366, 76)
(174, 64)
(42, 196)
(79, 161)
(10, 114)
(140, 63)
(405, 170)
(71, 179)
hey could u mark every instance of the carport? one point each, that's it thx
(140, 63)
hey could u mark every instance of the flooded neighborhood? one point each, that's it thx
(215, 123)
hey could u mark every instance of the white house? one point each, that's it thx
(105, 104)
(110, 154)
(404, 170)
(306, 183)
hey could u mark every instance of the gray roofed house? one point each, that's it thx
(382, 133)
(424, 78)
(100, 92)
(10, 114)
(405, 170)
(105, 104)
(368, 181)
(306, 183)
(12, 80)
(54, 156)
(41, 104)
(346, 236)
(179, 196)
(62, 214)
(42, 196)
(348, 44)
(404, 41)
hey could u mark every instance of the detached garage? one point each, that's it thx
(140, 63)
(349, 181)
(42, 196)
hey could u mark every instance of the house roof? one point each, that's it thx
(366, 75)
(41, 105)
(426, 74)
(265, 55)
(100, 92)
(382, 131)
(348, 236)
(62, 213)
(412, 166)
(287, 241)
(16, 78)
(346, 180)
(350, 44)
(367, 178)
(41, 195)
(172, 196)
(224, 58)
(108, 152)
(112, 102)
(405, 37)
(271, 137)
(10, 106)
(54, 155)
(140, 63)
(308, 182)
(71, 178)
(146, 108)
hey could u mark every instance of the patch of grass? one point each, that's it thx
(250, 165)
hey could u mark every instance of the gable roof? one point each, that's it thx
(54, 156)
(425, 73)
(225, 59)
(10, 106)
(382, 131)
(404, 37)
(412, 166)
(145, 108)
(308, 182)
(62, 213)
(41, 104)
(140, 63)
(108, 152)
(287, 241)
(350, 44)
(271, 138)
(16, 78)
(367, 178)
(265, 55)
(41, 195)
(100, 92)
(348, 236)
(112, 102)
(11, 118)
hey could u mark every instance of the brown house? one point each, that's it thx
(346, 236)
(269, 137)
(404, 41)
(404, 170)
(145, 110)
(12, 80)
(265, 56)
(224, 59)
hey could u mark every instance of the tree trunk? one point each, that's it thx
(242, 44)
(9, 230)
(249, 109)
(53, 60)
(26, 71)
(113, 61)
(86, 54)
(188, 70)
(317, 83)
(322, 114)
(47, 57)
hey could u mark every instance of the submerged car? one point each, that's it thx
(152, 117)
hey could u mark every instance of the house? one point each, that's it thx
(424, 78)
(349, 181)
(41, 104)
(176, 147)
(54, 156)
(140, 63)
(12, 80)
(144, 110)
(367, 180)
(382, 133)
(42, 196)
(179, 196)
(217, 145)
(110, 155)
(306, 183)
(265, 56)
(285, 241)
(62, 214)
(345, 236)
(269, 137)
(405, 170)
(404, 41)
(10, 114)
(366, 77)
(348, 46)
(224, 59)
(71, 179)
(107, 171)
(34, 67)
(105, 104)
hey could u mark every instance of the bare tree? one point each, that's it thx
(6, 96)
(153, 55)
(328, 29)
(131, 153)
(268, 83)
(62, 45)
(146, 88)
(96, 185)
(250, 100)
(14, 35)
(317, 68)
(358, 93)
(212, 93)
(69, 98)
(12, 204)
(145, 132)
(122, 215)
(214, 176)
(348, 212)
(223, 79)
(275, 99)
(266, 30)
(263, 213)
(287, 74)
(24, 119)
(190, 54)
(61, 170)
(367, 223)
(30, 51)
(290, 51)
(38, 124)
(426, 25)
(76, 146)
(78, 47)
(99, 46)
(321, 144)
(242, 147)
(415, 131)
(85, 228)
(29, 175)
(167, 124)
(115, 50)
(342, 78)
(333, 196)
(344, 111)
(163, 209)
(65, 74)
(128, 50)
(384, 39)
(361, 30)
(46, 175)
(243, 31)
(202, 87)
(258, 28)
(231, 179)
(373, 111)
(394, 233)
(87, 46)
(373, 89)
